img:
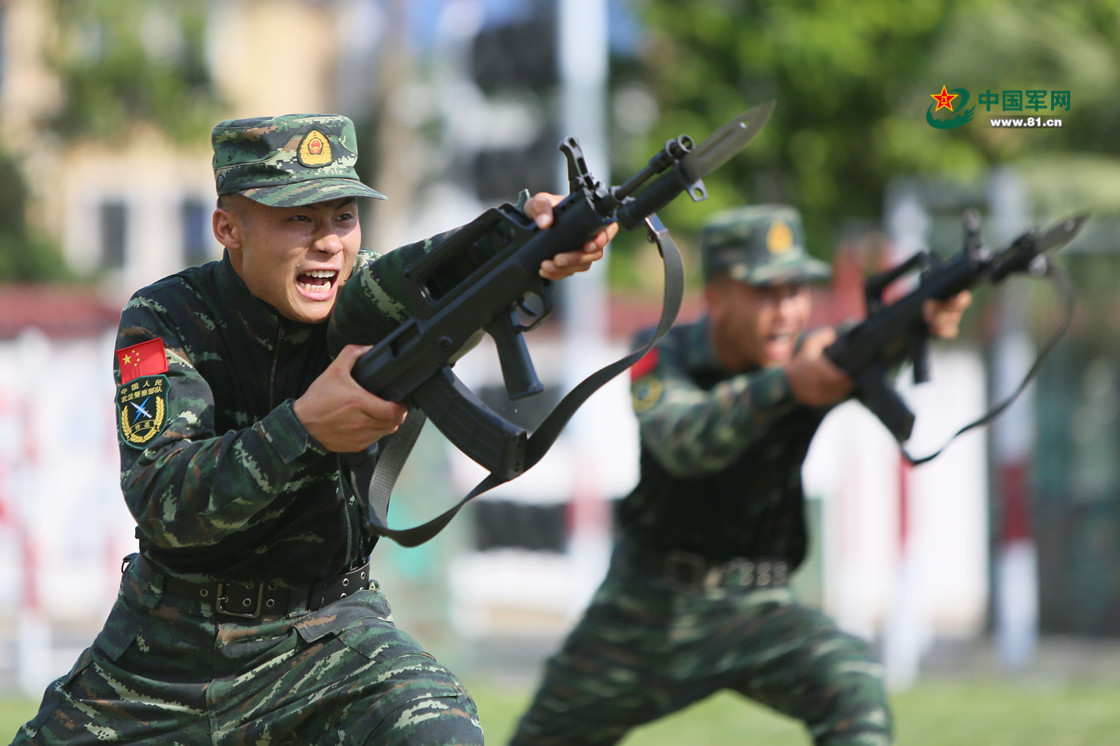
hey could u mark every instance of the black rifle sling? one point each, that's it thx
(393, 456)
(390, 461)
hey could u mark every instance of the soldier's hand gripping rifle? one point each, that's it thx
(478, 280)
(896, 332)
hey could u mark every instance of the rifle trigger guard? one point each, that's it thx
(537, 316)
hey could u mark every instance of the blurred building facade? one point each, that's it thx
(138, 208)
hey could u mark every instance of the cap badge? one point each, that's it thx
(315, 150)
(779, 237)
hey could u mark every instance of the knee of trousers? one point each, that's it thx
(850, 664)
(855, 709)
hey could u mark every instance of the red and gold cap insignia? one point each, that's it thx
(779, 237)
(315, 150)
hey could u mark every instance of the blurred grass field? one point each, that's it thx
(995, 713)
(936, 714)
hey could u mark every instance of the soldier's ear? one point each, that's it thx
(227, 228)
(715, 296)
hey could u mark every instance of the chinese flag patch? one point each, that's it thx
(645, 365)
(143, 359)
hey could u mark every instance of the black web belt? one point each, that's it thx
(689, 571)
(255, 599)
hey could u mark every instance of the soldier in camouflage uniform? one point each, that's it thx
(249, 615)
(696, 598)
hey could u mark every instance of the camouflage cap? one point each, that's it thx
(288, 161)
(759, 245)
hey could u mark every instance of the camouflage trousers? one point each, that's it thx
(159, 672)
(644, 650)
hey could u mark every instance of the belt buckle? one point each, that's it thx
(780, 573)
(220, 603)
(738, 571)
(695, 565)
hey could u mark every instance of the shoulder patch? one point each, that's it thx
(645, 393)
(142, 409)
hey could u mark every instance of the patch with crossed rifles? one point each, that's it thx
(142, 409)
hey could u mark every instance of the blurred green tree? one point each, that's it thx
(121, 62)
(24, 257)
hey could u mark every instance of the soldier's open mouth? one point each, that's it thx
(780, 338)
(317, 281)
(779, 345)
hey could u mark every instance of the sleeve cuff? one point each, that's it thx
(287, 435)
(770, 388)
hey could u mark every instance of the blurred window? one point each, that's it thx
(195, 219)
(505, 524)
(114, 234)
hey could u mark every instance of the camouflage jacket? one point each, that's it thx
(721, 455)
(225, 482)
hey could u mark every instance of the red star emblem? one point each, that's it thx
(944, 99)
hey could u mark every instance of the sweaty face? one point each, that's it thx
(756, 327)
(293, 258)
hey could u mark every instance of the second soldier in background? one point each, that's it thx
(697, 599)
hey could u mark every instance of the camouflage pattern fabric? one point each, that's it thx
(645, 650)
(288, 161)
(695, 417)
(374, 302)
(166, 673)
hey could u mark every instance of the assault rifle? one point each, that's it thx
(481, 279)
(896, 332)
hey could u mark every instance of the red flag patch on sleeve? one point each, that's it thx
(143, 359)
(644, 366)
